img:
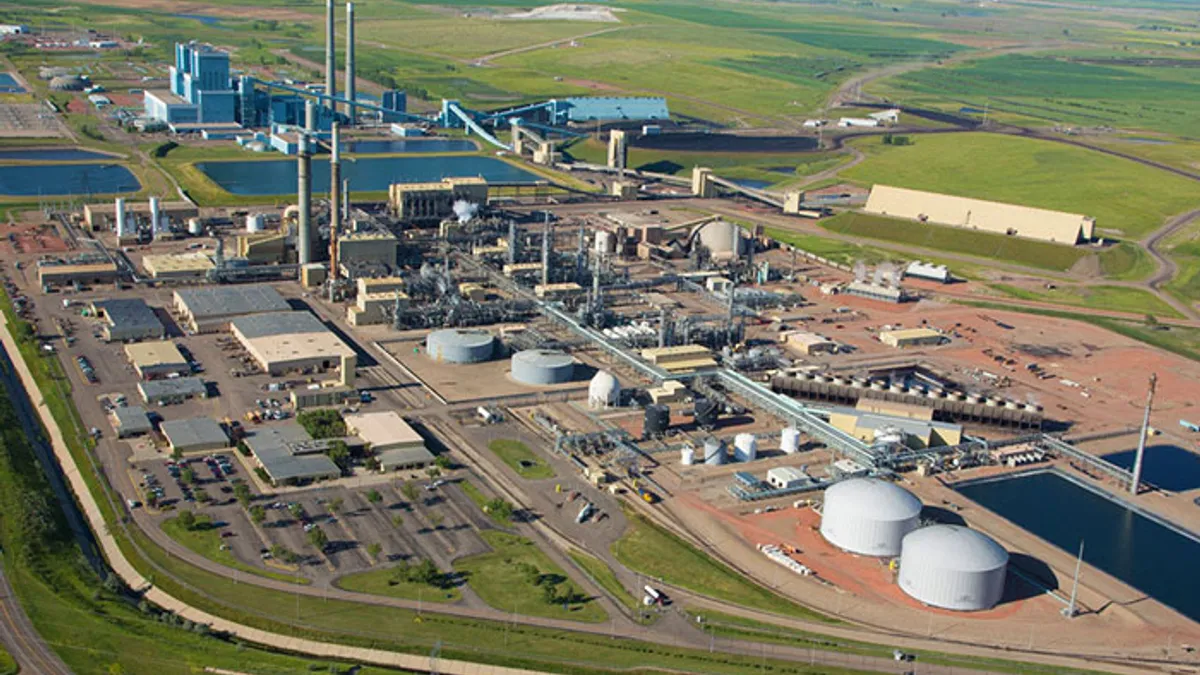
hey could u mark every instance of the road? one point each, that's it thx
(485, 59)
(1167, 268)
(21, 639)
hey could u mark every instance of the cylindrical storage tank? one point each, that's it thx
(858, 382)
(687, 456)
(543, 366)
(992, 402)
(974, 398)
(1012, 405)
(195, 227)
(868, 516)
(657, 420)
(714, 452)
(256, 222)
(745, 447)
(877, 385)
(897, 388)
(605, 242)
(604, 390)
(953, 567)
(454, 345)
(789, 440)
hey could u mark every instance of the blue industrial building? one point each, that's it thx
(201, 91)
(611, 109)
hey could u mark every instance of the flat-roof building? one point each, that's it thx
(396, 444)
(283, 342)
(373, 308)
(785, 478)
(681, 358)
(197, 434)
(807, 343)
(978, 214)
(130, 421)
(417, 202)
(103, 215)
(289, 456)
(153, 360)
(178, 267)
(128, 319)
(172, 390)
(911, 337)
(87, 273)
(912, 432)
(209, 309)
(360, 247)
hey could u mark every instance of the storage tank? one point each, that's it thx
(543, 367)
(868, 516)
(789, 440)
(714, 452)
(195, 227)
(604, 390)
(745, 447)
(720, 236)
(455, 345)
(121, 217)
(657, 420)
(687, 456)
(255, 222)
(953, 567)
(605, 242)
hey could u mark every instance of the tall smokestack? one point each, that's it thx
(546, 252)
(335, 197)
(120, 217)
(350, 111)
(1136, 482)
(304, 235)
(330, 48)
(155, 225)
(346, 201)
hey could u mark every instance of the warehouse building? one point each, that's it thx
(209, 309)
(912, 432)
(367, 247)
(977, 214)
(289, 456)
(198, 434)
(374, 308)
(431, 202)
(87, 274)
(130, 421)
(294, 342)
(911, 337)
(172, 390)
(681, 358)
(786, 478)
(320, 397)
(367, 285)
(178, 267)
(128, 319)
(396, 445)
(807, 343)
(155, 360)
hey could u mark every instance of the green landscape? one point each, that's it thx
(521, 459)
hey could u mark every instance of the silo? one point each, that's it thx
(657, 420)
(605, 242)
(542, 367)
(953, 567)
(687, 456)
(868, 516)
(789, 440)
(255, 222)
(195, 227)
(714, 452)
(745, 447)
(454, 345)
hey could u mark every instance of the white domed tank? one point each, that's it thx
(714, 452)
(605, 242)
(543, 367)
(604, 390)
(953, 567)
(720, 236)
(745, 447)
(256, 222)
(454, 345)
(789, 440)
(687, 456)
(195, 227)
(868, 516)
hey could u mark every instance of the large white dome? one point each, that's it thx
(868, 516)
(604, 390)
(954, 567)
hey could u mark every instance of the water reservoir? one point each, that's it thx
(1151, 556)
(1169, 467)
(67, 179)
(279, 176)
(410, 146)
(9, 84)
(52, 155)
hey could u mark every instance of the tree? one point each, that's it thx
(499, 508)
(296, 510)
(242, 492)
(443, 462)
(433, 472)
(202, 496)
(187, 476)
(397, 520)
(257, 514)
(334, 505)
(186, 520)
(409, 490)
(1151, 320)
(436, 519)
(373, 550)
(318, 538)
(373, 496)
(176, 454)
(339, 453)
(323, 423)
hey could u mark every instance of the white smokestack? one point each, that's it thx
(154, 217)
(465, 210)
(121, 225)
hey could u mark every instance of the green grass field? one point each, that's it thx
(603, 575)
(206, 540)
(521, 459)
(1115, 298)
(380, 581)
(653, 551)
(8, 666)
(1120, 194)
(1027, 252)
(498, 579)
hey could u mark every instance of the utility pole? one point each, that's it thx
(1071, 610)
(1136, 481)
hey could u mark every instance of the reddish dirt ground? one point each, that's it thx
(77, 105)
(126, 100)
(31, 239)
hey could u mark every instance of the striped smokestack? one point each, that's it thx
(350, 61)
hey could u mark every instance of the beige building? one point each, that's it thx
(379, 284)
(394, 443)
(978, 214)
(63, 275)
(294, 342)
(416, 202)
(373, 308)
(154, 360)
(368, 247)
(103, 216)
(562, 290)
(472, 291)
(914, 433)
(263, 248)
(179, 267)
(911, 337)
(682, 358)
(807, 343)
(671, 391)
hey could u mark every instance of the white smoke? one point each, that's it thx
(465, 210)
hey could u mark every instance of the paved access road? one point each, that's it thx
(21, 640)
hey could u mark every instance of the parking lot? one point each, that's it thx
(213, 474)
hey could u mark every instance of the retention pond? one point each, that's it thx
(28, 180)
(1141, 550)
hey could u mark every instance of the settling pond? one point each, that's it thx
(66, 179)
(279, 177)
(52, 155)
(1149, 555)
(411, 146)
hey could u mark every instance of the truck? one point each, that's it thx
(584, 513)
(1189, 426)
(647, 496)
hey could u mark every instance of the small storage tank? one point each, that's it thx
(878, 385)
(256, 222)
(604, 390)
(195, 227)
(868, 516)
(745, 447)
(543, 366)
(1012, 405)
(897, 388)
(953, 567)
(714, 452)
(789, 440)
(605, 242)
(455, 345)
(974, 398)
(657, 420)
(687, 456)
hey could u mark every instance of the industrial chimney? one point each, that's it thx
(350, 110)
(304, 235)
(330, 49)
(155, 219)
(120, 218)
(335, 196)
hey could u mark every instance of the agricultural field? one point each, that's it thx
(1126, 199)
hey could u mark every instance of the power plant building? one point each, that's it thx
(367, 247)
(681, 358)
(977, 214)
(953, 567)
(205, 310)
(291, 342)
(193, 266)
(868, 516)
(426, 202)
(128, 319)
(201, 91)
